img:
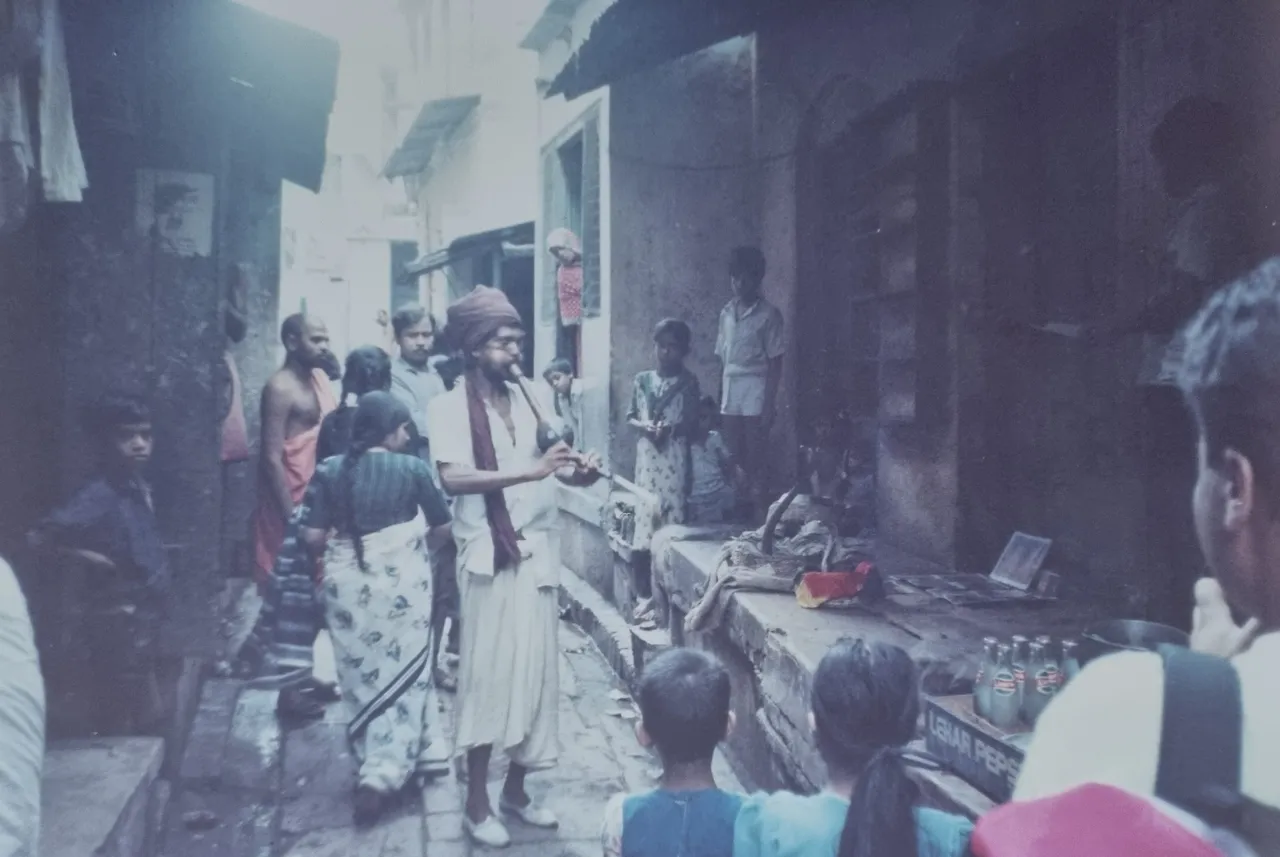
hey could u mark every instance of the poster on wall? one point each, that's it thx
(175, 210)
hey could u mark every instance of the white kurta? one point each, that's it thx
(508, 678)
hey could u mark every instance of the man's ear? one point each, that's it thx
(1239, 483)
(642, 735)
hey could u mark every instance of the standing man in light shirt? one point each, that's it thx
(22, 713)
(1230, 377)
(750, 346)
(414, 380)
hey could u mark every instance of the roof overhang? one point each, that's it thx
(436, 121)
(512, 241)
(276, 83)
(636, 35)
(551, 24)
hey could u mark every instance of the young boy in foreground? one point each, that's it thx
(684, 714)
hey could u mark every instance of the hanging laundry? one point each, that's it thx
(62, 168)
(16, 158)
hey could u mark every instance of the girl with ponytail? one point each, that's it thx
(865, 703)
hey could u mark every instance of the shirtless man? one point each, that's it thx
(294, 401)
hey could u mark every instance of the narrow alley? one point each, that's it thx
(247, 788)
(842, 379)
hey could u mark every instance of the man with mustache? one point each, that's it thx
(483, 436)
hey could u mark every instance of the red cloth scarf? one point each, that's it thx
(506, 547)
(473, 319)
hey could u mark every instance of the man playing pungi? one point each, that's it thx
(483, 437)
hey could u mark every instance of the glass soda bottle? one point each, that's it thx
(1043, 679)
(982, 681)
(1070, 661)
(1052, 651)
(1003, 708)
(1018, 652)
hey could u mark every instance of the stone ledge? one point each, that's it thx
(585, 504)
(99, 797)
(778, 645)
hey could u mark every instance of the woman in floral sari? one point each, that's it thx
(664, 407)
(382, 507)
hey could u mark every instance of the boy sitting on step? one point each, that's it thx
(684, 714)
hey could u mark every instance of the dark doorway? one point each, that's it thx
(404, 290)
(516, 276)
(1035, 449)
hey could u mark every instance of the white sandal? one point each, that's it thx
(490, 833)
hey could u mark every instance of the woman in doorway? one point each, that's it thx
(384, 510)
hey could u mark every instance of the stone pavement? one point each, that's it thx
(247, 789)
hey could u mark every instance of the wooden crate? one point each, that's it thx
(975, 750)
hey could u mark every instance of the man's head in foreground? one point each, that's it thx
(1231, 379)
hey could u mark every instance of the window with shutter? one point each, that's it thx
(552, 212)
(874, 319)
(591, 275)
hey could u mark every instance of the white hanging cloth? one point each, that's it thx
(62, 169)
(16, 158)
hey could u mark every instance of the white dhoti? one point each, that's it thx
(509, 679)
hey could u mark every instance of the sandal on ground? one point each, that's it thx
(531, 813)
(490, 832)
(321, 691)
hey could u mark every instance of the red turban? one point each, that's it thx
(475, 318)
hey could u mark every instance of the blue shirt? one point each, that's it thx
(665, 823)
(116, 519)
(790, 825)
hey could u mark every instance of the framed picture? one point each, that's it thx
(175, 210)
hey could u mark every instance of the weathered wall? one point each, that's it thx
(683, 196)
(134, 315)
(830, 67)
(252, 237)
(30, 377)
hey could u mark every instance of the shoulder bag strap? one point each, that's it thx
(1200, 737)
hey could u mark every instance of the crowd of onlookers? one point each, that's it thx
(1143, 753)
(1105, 729)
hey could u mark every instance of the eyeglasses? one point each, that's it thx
(505, 343)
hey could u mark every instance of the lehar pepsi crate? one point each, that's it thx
(978, 752)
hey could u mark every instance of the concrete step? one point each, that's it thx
(101, 796)
(620, 644)
(589, 610)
